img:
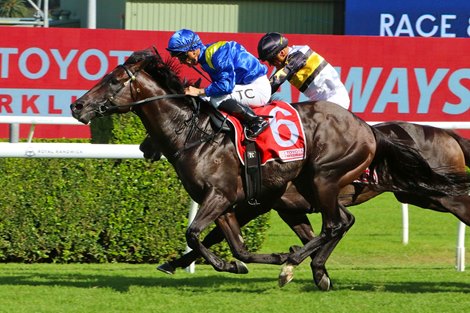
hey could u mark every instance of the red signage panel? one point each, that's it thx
(389, 78)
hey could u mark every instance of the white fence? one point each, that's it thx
(69, 150)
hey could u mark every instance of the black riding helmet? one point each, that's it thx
(270, 45)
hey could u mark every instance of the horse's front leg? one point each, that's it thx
(298, 222)
(228, 223)
(213, 206)
(215, 236)
(243, 216)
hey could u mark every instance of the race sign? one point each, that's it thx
(408, 18)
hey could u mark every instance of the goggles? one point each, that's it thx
(179, 54)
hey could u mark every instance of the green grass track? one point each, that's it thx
(372, 271)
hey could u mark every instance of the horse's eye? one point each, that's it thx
(114, 81)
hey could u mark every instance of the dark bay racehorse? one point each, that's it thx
(341, 145)
(443, 149)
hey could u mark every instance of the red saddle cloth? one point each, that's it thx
(283, 140)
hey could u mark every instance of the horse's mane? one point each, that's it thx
(165, 72)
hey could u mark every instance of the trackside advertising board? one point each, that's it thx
(408, 18)
(413, 79)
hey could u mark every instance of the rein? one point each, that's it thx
(143, 101)
(194, 127)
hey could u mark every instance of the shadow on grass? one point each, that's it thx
(224, 283)
(123, 283)
(396, 287)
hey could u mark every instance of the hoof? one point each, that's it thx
(166, 268)
(294, 249)
(286, 275)
(324, 284)
(241, 267)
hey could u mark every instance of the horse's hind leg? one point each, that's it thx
(320, 248)
(320, 274)
(458, 205)
(334, 224)
(292, 209)
(300, 225)
(298, 222)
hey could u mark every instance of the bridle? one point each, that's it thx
(111, 105)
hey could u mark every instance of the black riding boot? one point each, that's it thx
(255, 124)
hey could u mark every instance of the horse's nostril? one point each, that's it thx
(78, 106)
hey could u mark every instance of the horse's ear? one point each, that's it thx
(197, 83)
(157, 54)
(141, 55)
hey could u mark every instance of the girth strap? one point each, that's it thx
(252, 172)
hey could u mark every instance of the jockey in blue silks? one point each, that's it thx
(239, 79)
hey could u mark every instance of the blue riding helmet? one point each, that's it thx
(182, 41)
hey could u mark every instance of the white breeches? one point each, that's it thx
(254, 94)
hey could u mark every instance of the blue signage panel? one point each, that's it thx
(408, 18)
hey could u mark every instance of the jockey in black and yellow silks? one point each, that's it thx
(305, 69)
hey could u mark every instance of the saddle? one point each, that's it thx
(284, 141)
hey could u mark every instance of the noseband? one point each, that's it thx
(110, 105)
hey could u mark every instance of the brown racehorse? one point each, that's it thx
(342, 147)
(443, 149)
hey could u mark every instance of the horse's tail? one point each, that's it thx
(464, 144)
(401, 168)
